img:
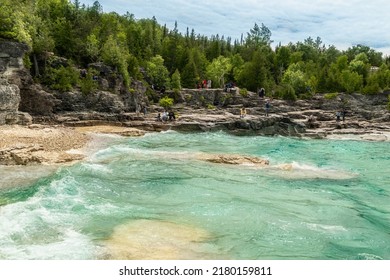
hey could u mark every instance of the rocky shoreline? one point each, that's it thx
(41, 126)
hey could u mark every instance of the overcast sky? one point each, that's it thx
(342, 23)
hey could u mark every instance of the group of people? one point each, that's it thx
(204, 84)
(341, 115)
(166, 116)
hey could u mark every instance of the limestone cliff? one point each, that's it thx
(11, 61)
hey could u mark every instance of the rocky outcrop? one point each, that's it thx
(11, 61)
(11, 55)
(234, 159)
(100, 101)
(9, 103)
(34, 154)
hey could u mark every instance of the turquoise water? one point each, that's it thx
(333, 202)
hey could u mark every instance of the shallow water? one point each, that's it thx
(141, 198)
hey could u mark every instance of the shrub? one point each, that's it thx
(330, 96)
(62, 78)
(351, 81)
(286, 92)
(244, 92)
(372, 89)
(88, 84)
(166, 102)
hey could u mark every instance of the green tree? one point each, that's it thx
(157, 72)
(218, 70)
(351, 81)
(360, 65)
(176, 80)
(116, 55)
(17, 20)
(258, 36)
(282, 62)
(190, 76)
(296, 79)
(254, 73)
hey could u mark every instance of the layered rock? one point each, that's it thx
(234, 159)
(11, 61)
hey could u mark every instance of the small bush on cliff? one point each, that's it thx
(166, 102)
(286, 92)
(62, 78)
(244, 92)
(330, 96)
(88, 84)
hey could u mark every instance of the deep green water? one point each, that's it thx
(333, 204)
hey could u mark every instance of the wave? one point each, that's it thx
(297, 170)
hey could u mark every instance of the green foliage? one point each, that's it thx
(190, 76)
(62, 79)
(372, 89)
(259, 36)
(254, 73)
(157, 72)
(88, 84)
(286, 92)
(92, 47)
(331, 96)
(26, 61)
(244, 92)
(218, 69)
(382, 77)
(296, 79)
(114, 54)
(351, 81)
(16, 20)
(166, 102)
(85, 34)
(176, 80)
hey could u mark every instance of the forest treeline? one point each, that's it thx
(143, 49)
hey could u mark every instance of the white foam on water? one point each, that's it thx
(297, 170)
(96, 168)
(325, 228)
(69, 244)
(125, 151)
(366, 256)
(44, 226)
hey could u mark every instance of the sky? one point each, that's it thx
(342, 23)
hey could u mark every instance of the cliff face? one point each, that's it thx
(11, 61)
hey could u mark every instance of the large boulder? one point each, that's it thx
(11, 61)
(11, 55)
(100, 101)
(9, 103)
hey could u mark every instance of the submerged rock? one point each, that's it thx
(234, 159)
(158, 240)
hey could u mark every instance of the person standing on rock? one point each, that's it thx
(242, 112)
(343, 113)
(267, 107)
(262, 93)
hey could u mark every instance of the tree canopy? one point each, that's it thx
(85, 34)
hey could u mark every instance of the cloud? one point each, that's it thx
(338, 22)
